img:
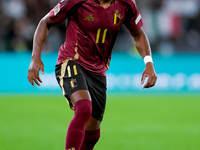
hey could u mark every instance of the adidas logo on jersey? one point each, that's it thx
(89, 18)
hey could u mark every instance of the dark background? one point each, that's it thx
(171, 25)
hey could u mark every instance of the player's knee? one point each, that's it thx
(86, 110)
(83, 109)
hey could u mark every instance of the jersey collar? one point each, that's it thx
(112, 2)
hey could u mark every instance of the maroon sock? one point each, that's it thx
(76, 128)
(91, 138)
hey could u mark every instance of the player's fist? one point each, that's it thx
(150, 73)
(33, 71)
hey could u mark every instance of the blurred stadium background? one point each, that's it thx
(165, 117)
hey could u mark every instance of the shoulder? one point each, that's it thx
(70, 3)
(64, 2)
(66, 5)
(129, 3)
(61, 10)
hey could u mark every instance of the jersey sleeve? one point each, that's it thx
(61, 11)
(133, 20)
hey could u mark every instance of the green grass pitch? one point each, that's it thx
(130, 123)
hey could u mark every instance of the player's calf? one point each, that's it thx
(76, 129)
(91, 138)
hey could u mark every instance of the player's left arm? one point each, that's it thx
(143, 47)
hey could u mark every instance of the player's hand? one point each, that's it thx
(33, 71)
(151, 74)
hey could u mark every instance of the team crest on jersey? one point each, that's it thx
(56, 9)
(116, 18)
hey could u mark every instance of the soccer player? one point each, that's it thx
(84, 57)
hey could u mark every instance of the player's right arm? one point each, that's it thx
(59, 13)
(38, 40)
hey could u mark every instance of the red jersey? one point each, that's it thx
(92, 30)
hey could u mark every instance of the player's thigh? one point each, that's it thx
(80, 95)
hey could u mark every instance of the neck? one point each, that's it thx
(105, 3)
